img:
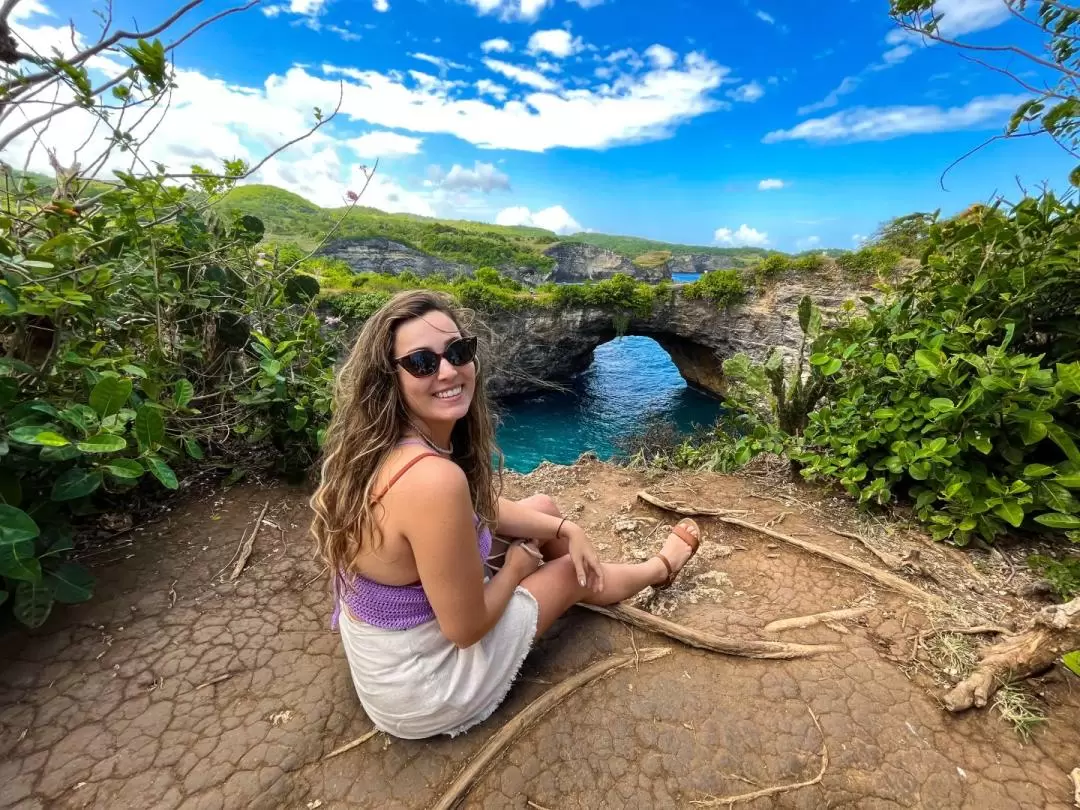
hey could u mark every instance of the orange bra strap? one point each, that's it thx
(405, 468)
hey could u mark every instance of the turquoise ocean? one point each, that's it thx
(631, 381)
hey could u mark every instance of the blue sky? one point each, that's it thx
(721, 122)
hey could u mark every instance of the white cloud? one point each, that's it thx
(808, 243)
(957, 17)
(557, 42)
(556, 218)
(384, 145)
(770, 183)
(858, 238)
(498, 45)
(661, 57)
(302, 8)
(526, 10)
(765, 17)
(27, 9)
(482, 177)
(380, 5)
(493, 89)
(884, 123)
(588, 3)
(521, 75)
(344, 33)
(898, 54)
(749, 92)
(848, 85)
(442, 64)
(641, 108)
(745, 236)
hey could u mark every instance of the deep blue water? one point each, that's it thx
(631, 380)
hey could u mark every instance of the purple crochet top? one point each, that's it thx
(392, 607)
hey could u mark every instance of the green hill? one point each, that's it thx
(289, 217)
(635, 247)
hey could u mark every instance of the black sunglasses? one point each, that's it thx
(425, 362)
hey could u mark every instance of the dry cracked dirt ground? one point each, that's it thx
(175, 688)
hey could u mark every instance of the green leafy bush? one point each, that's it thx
(619, 293)
(962, 388)
(1063, 575)
(875, 261)
(139, 329)
(722, 287)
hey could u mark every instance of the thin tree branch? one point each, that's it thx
(981, 146)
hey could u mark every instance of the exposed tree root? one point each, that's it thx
(709, 641)
(799, 622)
(349, 746)
(506, 735)
(727, 801)
(1054, 630)
(248, 544)
(881, 577)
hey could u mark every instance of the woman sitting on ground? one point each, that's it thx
(404, 517)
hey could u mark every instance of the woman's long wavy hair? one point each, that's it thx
(369, 418)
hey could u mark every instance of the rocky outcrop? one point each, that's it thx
(378, 255)
(576, 262)
(534, 348)
(698, 263)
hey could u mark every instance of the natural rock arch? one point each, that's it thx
(538, 346)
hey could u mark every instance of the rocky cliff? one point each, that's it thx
(574, 262)
(538, 347)
(577, 262)
(698, 263)
(379, 255)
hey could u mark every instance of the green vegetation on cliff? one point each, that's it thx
(635, 247)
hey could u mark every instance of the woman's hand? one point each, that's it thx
(586, 564)
(523, 559)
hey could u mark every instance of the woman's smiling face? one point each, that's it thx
(444, 396)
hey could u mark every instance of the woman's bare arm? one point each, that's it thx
(436, 518)
(516, 520)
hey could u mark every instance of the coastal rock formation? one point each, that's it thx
(576, 262)
(698, 263)
(534, 348)
(378, 255)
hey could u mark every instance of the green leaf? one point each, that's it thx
(193, 449)
(103, 443)
(1038, 470)
(135, 371)
(1069, 376)
(1069, 481)
(33, 434)
(300, 289)
(81, 416)
(1058, 520)
(162, 472)
(928, 361)
(75, 483)
(297, 417)
(1072, 659)
(70, 583)
(110, 394)
(17, 561)
(832, 366)
(65, 453)
(149, 427)
(819, 359)
(892, 363)
(16, 526)
(33, 602)
(1059, 437)
(183, 394)
(1032, 432)
(1011, 512)
(123, 468)
(1056, 496)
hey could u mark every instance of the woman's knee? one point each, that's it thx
(541, 503)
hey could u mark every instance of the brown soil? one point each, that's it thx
(174, 688)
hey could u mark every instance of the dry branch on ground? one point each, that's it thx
(1054, 630)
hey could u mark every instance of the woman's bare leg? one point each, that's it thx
(556, 589)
